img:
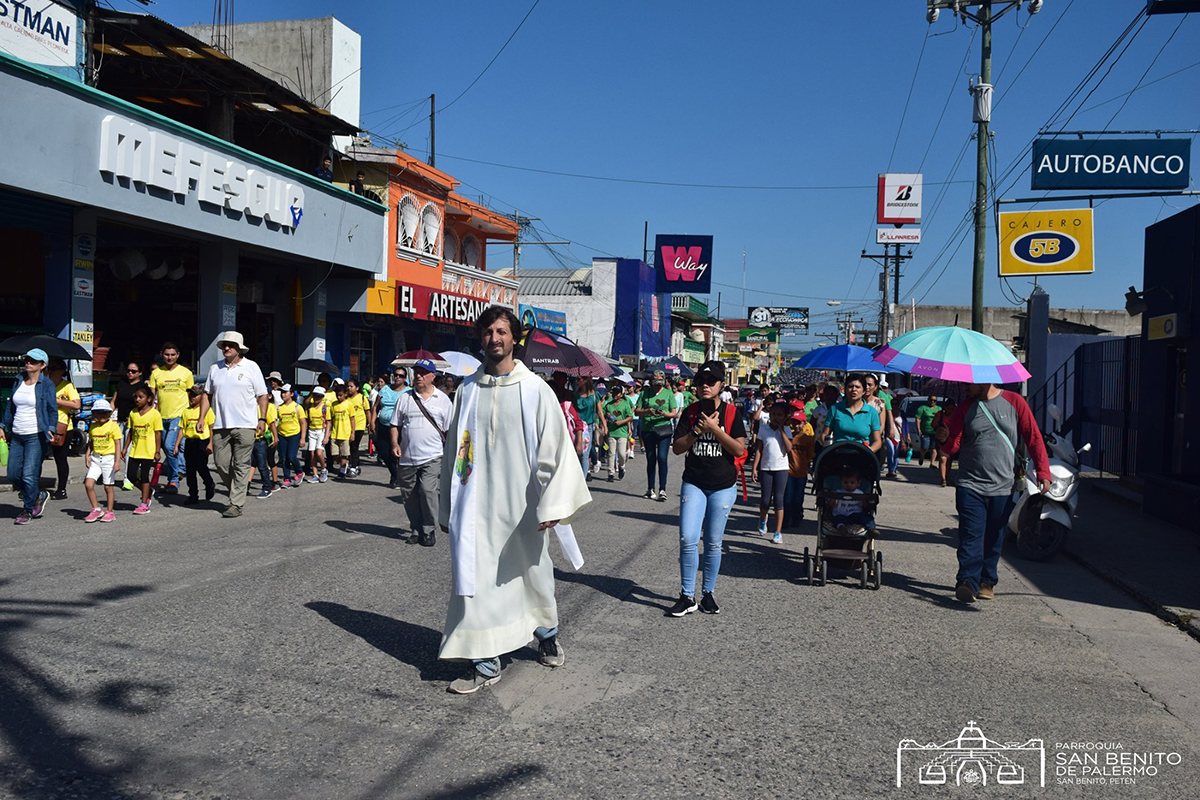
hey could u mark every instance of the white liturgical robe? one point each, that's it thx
(511, 588)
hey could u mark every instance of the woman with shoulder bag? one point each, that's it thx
(29, 421)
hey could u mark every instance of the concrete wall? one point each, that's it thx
(590, 318)
(1002, 323)
(319, 59)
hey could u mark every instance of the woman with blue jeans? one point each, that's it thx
(656, 408)
(29, 421)
(713, 435)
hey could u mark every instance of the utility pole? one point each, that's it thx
(984, 16)
(886, 310)
(432, 133)
(522, 223)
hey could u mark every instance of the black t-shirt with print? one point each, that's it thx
(707, 465)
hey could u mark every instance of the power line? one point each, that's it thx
(677, 184)
(1153, 61)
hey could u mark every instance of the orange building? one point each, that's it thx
(437, 280)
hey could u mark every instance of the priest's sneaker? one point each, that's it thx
(683, 606)
(550, 652)
(471, 682)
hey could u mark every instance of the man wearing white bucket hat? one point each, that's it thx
(238, 395)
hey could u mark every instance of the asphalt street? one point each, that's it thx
(291, 653)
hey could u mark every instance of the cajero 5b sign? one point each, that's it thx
(1046, 242)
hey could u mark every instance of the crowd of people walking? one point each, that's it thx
(465, 467)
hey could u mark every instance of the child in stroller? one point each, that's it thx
(848, 515)
(848, 490)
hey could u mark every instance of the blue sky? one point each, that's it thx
(760, 94)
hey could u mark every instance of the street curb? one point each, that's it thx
(1187, 623)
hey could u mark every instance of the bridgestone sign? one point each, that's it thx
(1111, 163)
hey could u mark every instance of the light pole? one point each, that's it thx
(984, 15)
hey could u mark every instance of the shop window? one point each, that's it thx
(362, 354)
(408, 214)
(451, 248)
(431, 228)
(471, 251)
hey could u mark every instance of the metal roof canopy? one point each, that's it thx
(161, 66)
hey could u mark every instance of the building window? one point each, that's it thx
(450, 247)
(408, 213)
(431, 229)
(471, 251)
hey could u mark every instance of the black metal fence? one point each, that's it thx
(1097, 391)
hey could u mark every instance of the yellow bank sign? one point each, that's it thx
(1046, 242)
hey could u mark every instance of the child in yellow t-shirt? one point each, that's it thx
(196, 447)
(103, 459)
(145, 445)
(362, 410)
(264, 442)
(317, 413)
(341, 431)
(293, 422)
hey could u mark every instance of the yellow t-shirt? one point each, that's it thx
(317, 416)
(170, 387)
(65, 391)
(105, 437)
(141, 432)
(289, 419)
(360, 403)
(342, 415)
(272, 416)
(188, 420)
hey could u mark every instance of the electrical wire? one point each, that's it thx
(1143, 86)
(1153, 61)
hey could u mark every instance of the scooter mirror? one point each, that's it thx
(1055, 413)
(1087, 448)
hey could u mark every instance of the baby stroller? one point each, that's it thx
(851, 547)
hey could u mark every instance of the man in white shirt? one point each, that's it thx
(237, 393)
(419, 425)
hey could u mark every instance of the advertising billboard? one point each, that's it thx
(758, 335)
(897, 236)
(1111, 163)
(1046, 242)
(543, 319)
(683, 264)
(899, 200)
(787, 318)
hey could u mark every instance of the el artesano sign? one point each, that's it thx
(432, 305)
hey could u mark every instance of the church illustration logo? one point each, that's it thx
(971, 759)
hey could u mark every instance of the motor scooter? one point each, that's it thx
(1041, 522)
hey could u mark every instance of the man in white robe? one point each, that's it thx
(506, 420)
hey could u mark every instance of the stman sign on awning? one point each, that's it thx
(1111, 163)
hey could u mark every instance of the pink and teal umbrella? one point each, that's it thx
(952, 354)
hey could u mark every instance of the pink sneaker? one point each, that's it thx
(109, 517)
(94, 515)
(144, 508)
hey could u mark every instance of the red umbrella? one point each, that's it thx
(549, 352)
(413, 356)
(596, 367)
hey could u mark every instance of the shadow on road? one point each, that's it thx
(938, 594)
(384, 531)
(415, 645)
(492, 785)
(45, 759)
(670, 518)
(622, 589)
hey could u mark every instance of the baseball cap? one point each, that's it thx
(659, 373)
(319, 391)
(38, 354)
(425, 364)
(195, 388)
(101, 406)
(711, 369)
(287, 387)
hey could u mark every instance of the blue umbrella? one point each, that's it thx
(840, 357)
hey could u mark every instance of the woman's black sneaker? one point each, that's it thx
(683, 606)
(60, 494)
(708, 605)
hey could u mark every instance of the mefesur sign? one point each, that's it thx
(682, 264)
(899, 198)
(1111, 163)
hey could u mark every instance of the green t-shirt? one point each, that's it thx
(664, 401)
(924, 415)
(809, 407)
(622, 409)
(688, 399)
